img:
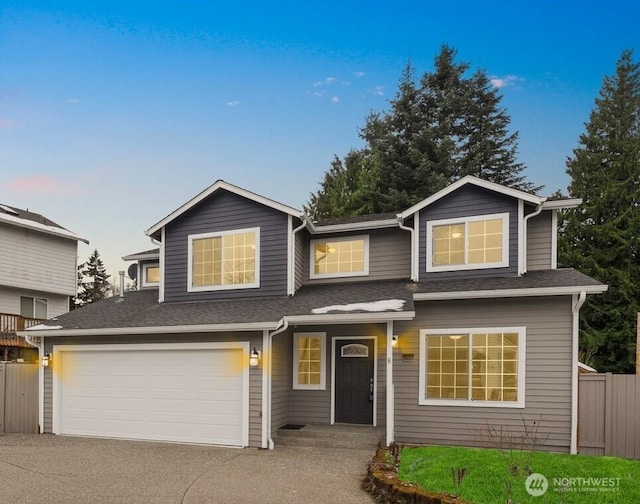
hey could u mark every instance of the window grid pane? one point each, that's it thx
(495, 367)
(448, 244)
(448, 367)
(476, 242)
(339, 257)
(309, 360)
(224, 260)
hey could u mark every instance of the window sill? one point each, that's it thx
(211, 288)
(474, 404)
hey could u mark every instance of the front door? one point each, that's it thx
(354, 380)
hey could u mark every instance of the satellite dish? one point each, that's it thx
(132, 271)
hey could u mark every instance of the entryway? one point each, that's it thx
(353, 377)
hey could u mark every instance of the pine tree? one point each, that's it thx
(93, 281)
(601, 238)
(438, 130)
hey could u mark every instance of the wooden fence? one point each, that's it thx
(18, 398)
(609, 415)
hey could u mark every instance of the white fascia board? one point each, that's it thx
(118, 331)
(43, 228)
(561, 204)
(469, 179)
(350, 318)
(141, 257)
(352, 226)
(504, 293)
(221, 184)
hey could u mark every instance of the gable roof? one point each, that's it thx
(35, 221)
(141, 256)
(469, 179)
(222, 185)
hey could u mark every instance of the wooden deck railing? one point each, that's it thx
(10, 324)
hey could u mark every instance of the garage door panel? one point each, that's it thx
(196, 395)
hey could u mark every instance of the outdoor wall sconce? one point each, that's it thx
(394, 341)
(46, 359)
(254, 358)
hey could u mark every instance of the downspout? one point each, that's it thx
(390, 417)
(537, 211)
(414, 276)
(292, 256)
(578, 301)
(269, 374)
(40, 346)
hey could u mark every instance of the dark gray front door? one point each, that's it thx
(354, 381)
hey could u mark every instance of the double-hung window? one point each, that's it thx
(340, 257)
(224, 260)
(468, 243)
(309, 361)
(483, 366)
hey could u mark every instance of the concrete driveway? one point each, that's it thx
(53, 469)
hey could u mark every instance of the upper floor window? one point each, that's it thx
(340, 257)
(472, 366)
(31, 307)
(224, 260)
(468, 243)
(150, 275)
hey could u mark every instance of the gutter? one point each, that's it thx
(537, 211)
(40, 346)
(578, 301)
(268, 375)
(412, 231)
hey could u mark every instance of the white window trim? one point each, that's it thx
(466, 220)
(145, 267)
(206, 288)
(313, 275)
(422, 388)
(323, 361)
(33, 306)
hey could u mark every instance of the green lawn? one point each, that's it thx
(487, 475)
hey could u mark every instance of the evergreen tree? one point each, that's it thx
(445, 127)
(93, 281)
(601, 237)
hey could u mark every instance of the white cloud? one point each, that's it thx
(335, 99)
(359, 75)
(328, 81)
(506, 81)
(377, 91)
(233, 103)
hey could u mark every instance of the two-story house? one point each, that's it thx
(37, 276)
(435, 323)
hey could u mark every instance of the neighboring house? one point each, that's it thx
(434, 323)
(37, 276)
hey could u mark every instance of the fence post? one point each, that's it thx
(3, 373)
(608, 413)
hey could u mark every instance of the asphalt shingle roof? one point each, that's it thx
(29, 216)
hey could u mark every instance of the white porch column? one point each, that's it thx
(390, 391)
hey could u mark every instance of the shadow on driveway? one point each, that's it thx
(54, 469)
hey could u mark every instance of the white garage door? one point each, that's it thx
(187, 393)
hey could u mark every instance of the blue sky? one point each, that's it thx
(112, 114)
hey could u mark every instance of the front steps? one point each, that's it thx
(358, 437)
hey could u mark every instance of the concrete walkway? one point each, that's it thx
(53, 469)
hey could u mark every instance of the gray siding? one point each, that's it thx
(548, 323)
(255, 374)
(37, 261)
(281, 380)
(539, 232)
(314, 406)
(301, 237)
(389, 256)
(225, 211)
(57, 304)
(466, 202)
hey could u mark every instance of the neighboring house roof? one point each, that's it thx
(534, 283)
(222, 185)
(139, 311)
(35, 221)
(141, 256)
(583, 368)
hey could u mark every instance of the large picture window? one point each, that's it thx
(309, 361)
(226, 260)
(470, 243)
(472, 366)
(340, 257)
